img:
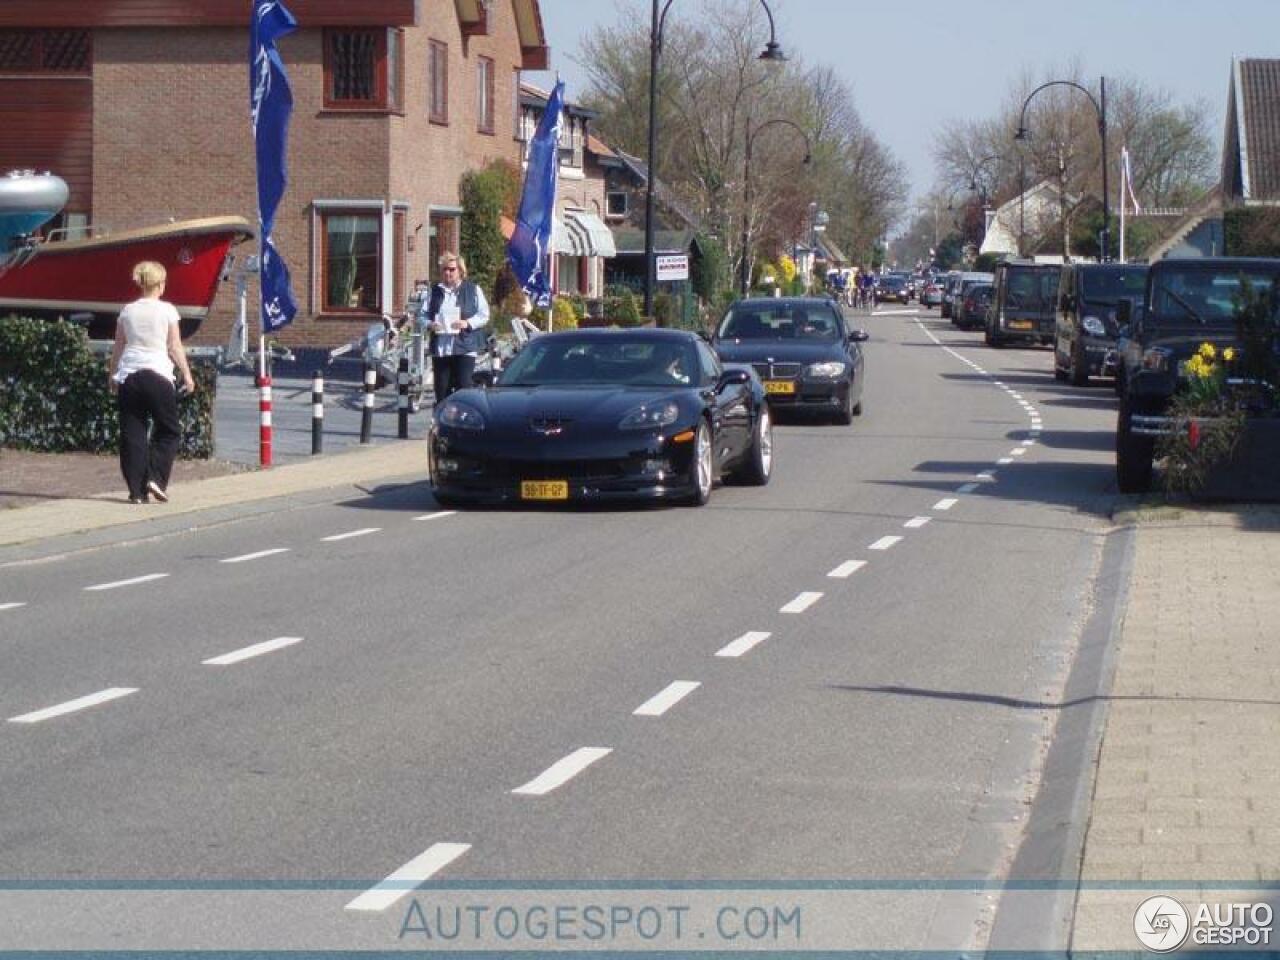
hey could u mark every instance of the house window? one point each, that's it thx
(484, 95)
(350, 261)
(438, 70)
(363, 69)
(617, 203)
(45, 51)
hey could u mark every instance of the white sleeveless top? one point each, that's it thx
(146, 325)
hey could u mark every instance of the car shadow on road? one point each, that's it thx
(1018, 703)
(415, 497)
(1087, 487)
(1101, 440)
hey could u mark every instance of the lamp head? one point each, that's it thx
(773, 53)
(1021, 134)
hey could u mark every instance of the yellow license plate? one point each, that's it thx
(544, 490)
(779, 386)
(1020, 324)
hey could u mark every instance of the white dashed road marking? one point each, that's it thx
(438, 515)
(967, 488)
(744, 643)
(562, 771)
(915, 523)
(128, 583)
(409, 877)
(72, 706)
(1020, 452)
(801, 603)
(1004, 461)
(985, 475)
(248, 653)
(946, 503)
(847, 569)
(663, 701)
(353, 533)
(256, 556)
(11, 606)
(885, 543)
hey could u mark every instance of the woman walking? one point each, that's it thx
(148, 346)
(454, 313)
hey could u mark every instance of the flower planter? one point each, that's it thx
(1252, 473)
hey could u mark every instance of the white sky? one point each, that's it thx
(917, 64)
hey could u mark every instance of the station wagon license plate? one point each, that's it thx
(779, 386)
(544, 490)
(1020, 324)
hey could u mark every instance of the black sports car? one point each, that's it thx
(603, 414)
(802, 350)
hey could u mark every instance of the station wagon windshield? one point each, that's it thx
(1205, 296)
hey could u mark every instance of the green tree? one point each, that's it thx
(486, 194)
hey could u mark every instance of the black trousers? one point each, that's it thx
(452, 373)
(147, 399)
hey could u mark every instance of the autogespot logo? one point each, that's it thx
(1161, 924)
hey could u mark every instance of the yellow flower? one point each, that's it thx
(1197, 367)
(1207, 351)
(1229, 354)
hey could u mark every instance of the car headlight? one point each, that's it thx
(1093, 325)
(460, 416)
(827, 371)
(651, 416)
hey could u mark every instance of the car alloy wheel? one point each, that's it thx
(757, 465)
(766, 443)
(703, 470)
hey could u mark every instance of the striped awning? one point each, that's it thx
(582, 234)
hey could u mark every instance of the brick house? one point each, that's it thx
(142, 106)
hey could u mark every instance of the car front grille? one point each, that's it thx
(778, 371)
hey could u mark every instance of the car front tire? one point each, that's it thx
(758, 466)
(1079, 370)
(703, 470)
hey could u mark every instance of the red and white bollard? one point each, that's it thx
(264, 419)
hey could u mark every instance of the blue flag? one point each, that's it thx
(531, 241)
(272, 103)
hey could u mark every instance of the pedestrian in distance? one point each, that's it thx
(454, 314)
(148, 347)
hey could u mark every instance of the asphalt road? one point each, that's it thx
(907, 596)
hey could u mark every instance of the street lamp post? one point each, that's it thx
(1101, 109)
(745, 282)
(772, 54)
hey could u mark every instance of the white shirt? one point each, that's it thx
(444, 341)
(146, 324)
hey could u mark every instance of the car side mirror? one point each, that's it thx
(859, 336)
(731, 378)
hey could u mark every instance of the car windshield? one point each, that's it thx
(780, 322)
(1206, 296)
(1109, 285)
(622, 360)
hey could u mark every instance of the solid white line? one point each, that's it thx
(128, 583)
(12, 606)
(884, 543)
(353, 533)
(946, 503)
(744, 643)
(71, 706)
(247, 653)
(801, 603)
(256, 556)
(665, 699)
(437, 515)
(562, 771)
(967, 488)
(409, 877)
(847, 569)
(915, 523)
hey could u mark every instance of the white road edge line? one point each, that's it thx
(744, 643)
(439, 515)
(256, 556)
(665, 699)
(885, 543)
(562, 771)
(946, 503)
(915, 523)
(12, 606)
(128, 583)
(847, 569)
(72, 706)
(248, 653)
(801, 603)
(409, 877)
(967, 488)
(353, 533)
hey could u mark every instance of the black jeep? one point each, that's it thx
(1187, 303)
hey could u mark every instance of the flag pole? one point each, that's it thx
(1123, 186)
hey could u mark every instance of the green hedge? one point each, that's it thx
(54, 396)
(1252, 232)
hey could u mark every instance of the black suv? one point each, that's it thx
(1085, 338)
(1186, 303)
(1025, 302)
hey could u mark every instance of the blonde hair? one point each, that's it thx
(149, 276)
(448, 257)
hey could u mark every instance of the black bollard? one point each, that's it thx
(404, 397)
(317, 413)
(366, 417)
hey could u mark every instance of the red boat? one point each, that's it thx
(92, 278)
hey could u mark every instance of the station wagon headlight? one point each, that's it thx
(1094, 326)
(826, 371)
(460, 416)
(651, 416)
